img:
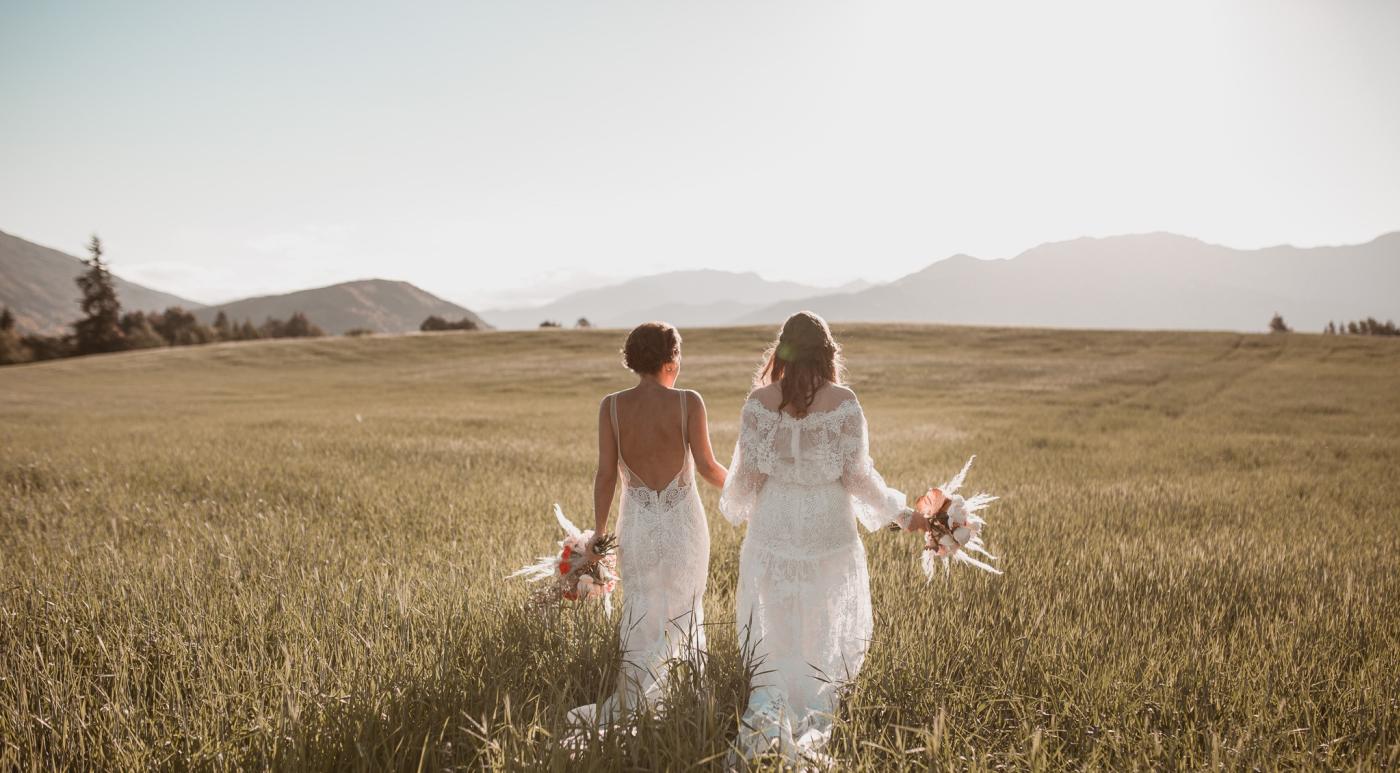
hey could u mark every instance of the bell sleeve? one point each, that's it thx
(739, 498)
(876, 505)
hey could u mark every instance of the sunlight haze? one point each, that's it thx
(502, 154)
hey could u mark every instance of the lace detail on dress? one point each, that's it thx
(646, 498)
(821, 447)
(804, 593)
(663, 558)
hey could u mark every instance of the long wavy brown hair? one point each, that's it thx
(804, 359)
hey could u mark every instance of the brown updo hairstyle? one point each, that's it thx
(804, 359)
(649, 346)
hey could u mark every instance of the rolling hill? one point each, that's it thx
(381, 305)
(1145, 281)
(36, 283)
(684, 298)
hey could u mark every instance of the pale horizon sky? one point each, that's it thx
(501, 153)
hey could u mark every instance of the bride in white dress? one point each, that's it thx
(655, 439)
(802, 478)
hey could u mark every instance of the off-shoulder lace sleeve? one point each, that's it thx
(876, 504)
(747, 470)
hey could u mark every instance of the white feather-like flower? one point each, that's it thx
(966, 526)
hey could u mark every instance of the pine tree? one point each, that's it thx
(1277, 325)
(100, 328)
(222, 327)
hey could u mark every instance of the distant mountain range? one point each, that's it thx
(683, 298)
(36, 284)
(381, 305)
(1146, 281)
(1143, 281)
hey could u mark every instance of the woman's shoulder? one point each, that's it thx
(841, 392)
(834, 398)
(693, 400)
(768, 396)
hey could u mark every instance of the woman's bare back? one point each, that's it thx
(650, 439)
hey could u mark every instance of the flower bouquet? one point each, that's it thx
(955, 528)
(572, 576)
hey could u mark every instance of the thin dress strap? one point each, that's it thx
(685, 422)
(617, 436)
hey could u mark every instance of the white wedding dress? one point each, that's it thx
(804, 592)
(663, 556)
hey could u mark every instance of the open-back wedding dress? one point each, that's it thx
(663, 558)
(804, 592)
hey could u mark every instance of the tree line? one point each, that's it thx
(581, 324)
(1369, 326)
(105, 328)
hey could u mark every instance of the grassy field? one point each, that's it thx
(291, 554)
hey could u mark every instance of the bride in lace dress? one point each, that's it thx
(802, 478)
(655, 439)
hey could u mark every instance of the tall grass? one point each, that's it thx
(290, 555)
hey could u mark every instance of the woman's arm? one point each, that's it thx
(744, 481)
(605, 479)
(876, 504)
(706, 466)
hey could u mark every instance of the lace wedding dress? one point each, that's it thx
(663, 555)
(804, 593)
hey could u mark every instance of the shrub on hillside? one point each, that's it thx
(181, 328)
(11, 349)
(48, 347)
(140, 333)
(436, 324)
(246, 331)
(359, 332)
(298, 326)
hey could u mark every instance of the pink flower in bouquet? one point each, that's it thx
(955, 529)
(575, 573)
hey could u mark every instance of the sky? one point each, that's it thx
(500, 154)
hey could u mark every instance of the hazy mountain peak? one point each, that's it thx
(1157, 280)
(381, 305)
(685, 297)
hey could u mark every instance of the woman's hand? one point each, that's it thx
(592, 556)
